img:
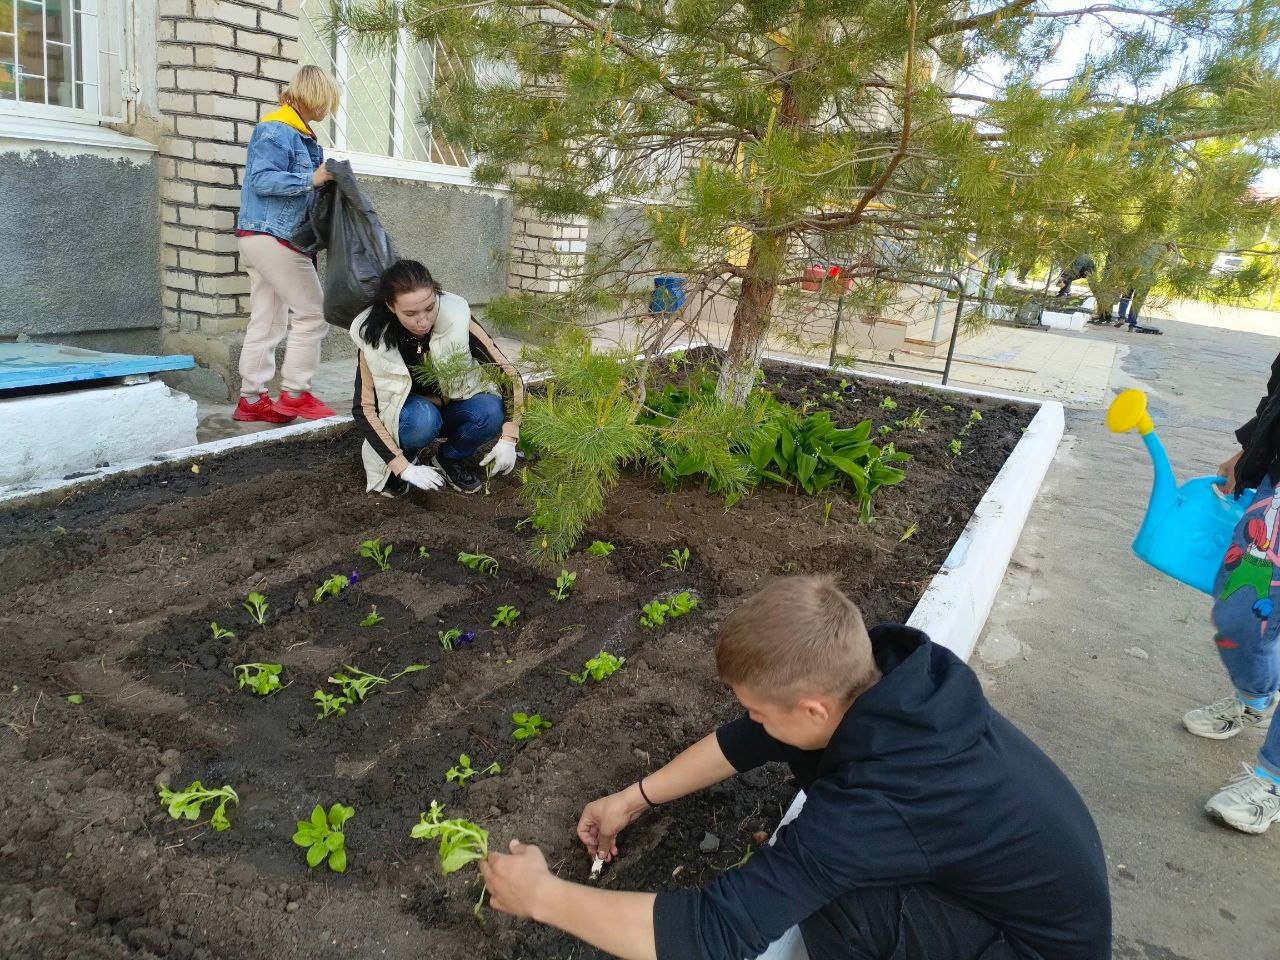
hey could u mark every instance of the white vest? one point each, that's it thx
(450, 336)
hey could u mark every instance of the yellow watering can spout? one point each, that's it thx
(1128, 411)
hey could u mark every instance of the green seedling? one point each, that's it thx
(357, 684)
(221, 634)
(954, 447)
(505, 616)
(323, 837)
(480, 562)
(948, 408)
(375, 551)
(657, 612)
(461, 842)
(908, 533)
(826, 513)
(464, 771)
(424, 553)
(974, 417)
(186, 804)
(331, 587)
(330, 704)
(599, 667)
(75, 699)
(746, 855)
(262, 678)
(448, 637)
(677, 560)
(888, 403)
(885, 430)
(601, 548)
(564, 583)
(528, 725)
(257, 605)
(373, 619)
(913, 422)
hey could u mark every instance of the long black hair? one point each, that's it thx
(382, 328)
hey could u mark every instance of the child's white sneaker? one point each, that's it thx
(1249, 803)
(1223, 719)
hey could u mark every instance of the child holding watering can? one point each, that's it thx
(1247, 623)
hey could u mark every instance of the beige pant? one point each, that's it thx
(281, 283)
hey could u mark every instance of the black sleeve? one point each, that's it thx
(1245, 433)
(745, 744)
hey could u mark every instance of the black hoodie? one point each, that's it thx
(922, 783)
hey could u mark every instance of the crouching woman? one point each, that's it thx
(426, 370)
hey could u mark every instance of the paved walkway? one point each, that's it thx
(1097, 656)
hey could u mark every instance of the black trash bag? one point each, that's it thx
(341, 221)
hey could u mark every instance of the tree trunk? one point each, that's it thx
(751, 320)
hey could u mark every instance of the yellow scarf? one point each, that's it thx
(289, 117)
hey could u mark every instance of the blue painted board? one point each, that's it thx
(45, 364)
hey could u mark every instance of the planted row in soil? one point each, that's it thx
(114, 587)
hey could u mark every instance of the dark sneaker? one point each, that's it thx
(394, 487)
(461, 474)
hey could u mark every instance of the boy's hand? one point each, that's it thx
(518, 880)
(602, 820)
(1228, 470)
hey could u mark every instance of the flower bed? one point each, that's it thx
(117, 584)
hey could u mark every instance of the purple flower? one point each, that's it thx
(848, 388)
(466, 638)
(354, 578)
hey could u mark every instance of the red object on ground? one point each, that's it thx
(261, 410)
(305, 405)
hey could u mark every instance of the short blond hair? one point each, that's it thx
(798, 636)
(313, 90)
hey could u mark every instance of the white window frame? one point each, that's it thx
(381, 165)
(116, 88)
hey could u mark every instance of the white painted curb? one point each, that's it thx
(955, 606)
(173, 457)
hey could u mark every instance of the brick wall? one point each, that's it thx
(545, 253)
(222, 64)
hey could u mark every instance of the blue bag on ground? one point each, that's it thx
(341, 221)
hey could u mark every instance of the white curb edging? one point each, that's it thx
(955, 606)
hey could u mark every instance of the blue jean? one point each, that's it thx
(1244, 610)
(468, 424)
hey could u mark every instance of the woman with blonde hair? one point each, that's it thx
(284, 165)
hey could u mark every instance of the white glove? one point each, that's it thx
(502, 458)
(424, 478)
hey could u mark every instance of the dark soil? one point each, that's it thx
(113, 588)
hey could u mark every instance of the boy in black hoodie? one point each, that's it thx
(932, 829)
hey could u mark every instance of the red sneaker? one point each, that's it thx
(304, 405)
(260, 411)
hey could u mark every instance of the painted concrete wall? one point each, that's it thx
(461, 234)
(79, 241)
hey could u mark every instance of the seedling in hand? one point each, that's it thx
(375, 551)
(373, 619)
(262, 678)
(257, 605)
(505, 616)
(480, 562)
(564, 583)
(461, 842)
(221, 634)
(323, 837)
(463, 771)
(599, 667)
(186, 804)
(677, 560)
(601, 548)
(528, 725)
(331, 587)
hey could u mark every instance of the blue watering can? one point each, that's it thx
(1187, 528)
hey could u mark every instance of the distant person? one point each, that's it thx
(284, 165)
(426, 370)
(1079, 268)
(1246, 624)
(932, 828)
